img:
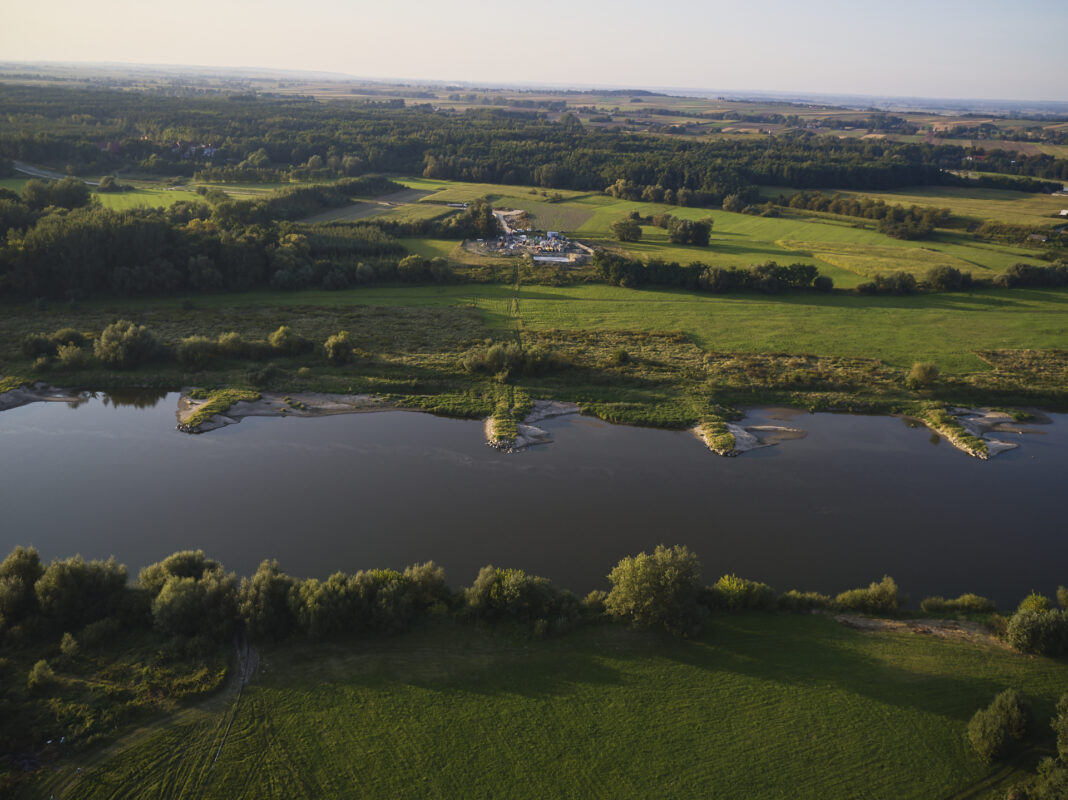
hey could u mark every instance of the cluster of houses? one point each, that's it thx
(552, 248)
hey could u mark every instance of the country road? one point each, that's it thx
(37, 172)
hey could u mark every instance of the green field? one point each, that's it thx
(945, 328)
(761, 706)
(146, 198)
(1017, 208)
(846, 250)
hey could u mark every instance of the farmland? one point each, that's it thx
(762, 705)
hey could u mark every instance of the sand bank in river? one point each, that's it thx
(527, 433)
(746, 437)
(40, 392)
(270, 404)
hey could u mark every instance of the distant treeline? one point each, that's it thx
(769, 278)
(57, 244)
(249, 137)
(900, 222)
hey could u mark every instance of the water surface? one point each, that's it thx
(859, 497)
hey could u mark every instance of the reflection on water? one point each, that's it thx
(857, 498)
(132, 398)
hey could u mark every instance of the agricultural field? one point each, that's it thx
(845, 249)
(146, 198)
(761, 706)
(1017, 208)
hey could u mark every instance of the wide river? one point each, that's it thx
(858, 498)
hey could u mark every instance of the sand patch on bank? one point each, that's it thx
(40, 392)
(527, 433)
(273, 404)
(962, 630)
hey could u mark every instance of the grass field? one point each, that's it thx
(762, 706)
(1017, 208)
(146, 198)
(844, 249)
(945, 328)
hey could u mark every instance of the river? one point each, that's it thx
(857, 498)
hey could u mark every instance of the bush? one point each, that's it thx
(232, 345)
(993, 729)
(75, 592)
(195, 352)
(500, 594)
(339, 348)
(68, 645)
(738, 594)
(264, 602)
(657, 589)
(594, 602)
(627, 230)
(822, 283)
(285, 341)
(124, 345)
(1035, 602)
(947, 279)
(922, 375)
(41, 676)
(796, 601)
(35, 345)
(878, 598)
(68, 336)
(72, 357)
(1041, 632)
(1062, 596)
(968, 603)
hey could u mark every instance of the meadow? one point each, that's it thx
(845, 249)
(760, 706)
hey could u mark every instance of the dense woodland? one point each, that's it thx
(257, 137)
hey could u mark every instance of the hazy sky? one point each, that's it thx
(927, 48)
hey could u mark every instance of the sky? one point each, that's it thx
(929, 48)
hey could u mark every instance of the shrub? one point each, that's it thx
(68, 645)
(71, 356)
(76, 592)
(512, 594)
(878, 598)
(34, 345)
(68, 336)
(1040, 632)
(124, 345)
(946, 279)
(232, 345)
(264, 602)
(100, 632)
(285, 341)
(195, 352)
(993, 729)
(922, 375)
(657, 589)
(1062, 596)
(968, 603)
(822, 283)
(794, 600)
(1035, 602)
(339, 348)
(737, 594)
(41, 676)
(594, 602)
